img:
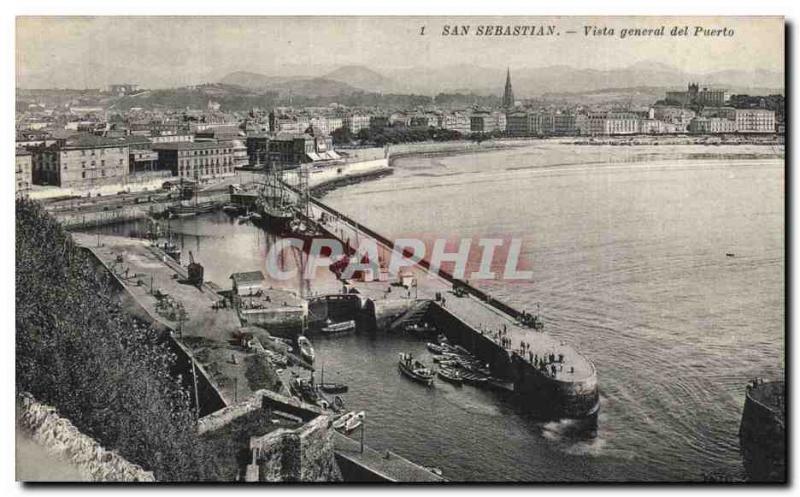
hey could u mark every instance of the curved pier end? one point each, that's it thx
(566, 387)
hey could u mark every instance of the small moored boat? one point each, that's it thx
(420, 330)
(341, 421)
(354, 422)
(338, 328)
(436, 349)
(306, 350)
(450, 375)
(333, 387)
(415, 369)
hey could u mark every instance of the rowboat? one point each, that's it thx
(337, 328)
(415, 369)
(450, 375)
(354, 422)
(306, 350)
(420, 330)
(436, 349)
(341, 422)
(333, 387)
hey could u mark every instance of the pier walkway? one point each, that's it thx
(206, 330)
(371, 465)
(481, 315)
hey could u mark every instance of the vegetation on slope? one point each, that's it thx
(79, 352)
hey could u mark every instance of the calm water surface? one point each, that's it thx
(628, 250)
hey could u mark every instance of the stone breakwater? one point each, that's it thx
(63, 440)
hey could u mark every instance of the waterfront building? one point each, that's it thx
(293, 149)
(142, 159)
(680, 117)
(355, 122)
(656, 127)
(712, 125)
(196, 160)
(754, 120)
(81, 161)
(564, 124)
(517, 124)
(455, 121)
(695, 95)
(258, 149)
(23, 172)
(607, 123)
(541, 123)
(487, 122)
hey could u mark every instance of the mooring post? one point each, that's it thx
(363, 424)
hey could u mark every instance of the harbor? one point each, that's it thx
(472, 321)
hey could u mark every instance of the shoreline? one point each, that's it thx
(462, 147)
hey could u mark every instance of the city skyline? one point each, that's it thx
(81, 52)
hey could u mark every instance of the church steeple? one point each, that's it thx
(508, 94)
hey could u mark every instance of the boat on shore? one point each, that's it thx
(340, 422)
(415, 370)
(306, 349)
(339, 328)
(354, 422)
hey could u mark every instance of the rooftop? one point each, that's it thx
(190, 145)
(248, 277)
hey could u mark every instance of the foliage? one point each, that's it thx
(402, 134)
(78, 351)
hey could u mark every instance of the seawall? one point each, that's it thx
(62, 439)
(762, 433)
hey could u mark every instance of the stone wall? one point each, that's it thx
(304, 454)
(63, 440)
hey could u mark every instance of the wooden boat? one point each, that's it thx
(341, 422)
(450, 375)
(473, 378)
(232, 209)
(436, 349)
(354, 422)
(420, 330)
(306, 350)
(306, 391)
(339, 328)
(183, 210)
(415, 369)
(333, 387)
(330, 387)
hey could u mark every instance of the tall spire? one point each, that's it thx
(508, 94)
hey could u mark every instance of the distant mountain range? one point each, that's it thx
(527, 82)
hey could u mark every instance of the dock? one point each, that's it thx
(373, 466)
(550, 376)
(206, 329)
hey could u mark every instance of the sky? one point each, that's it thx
(156, 52)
